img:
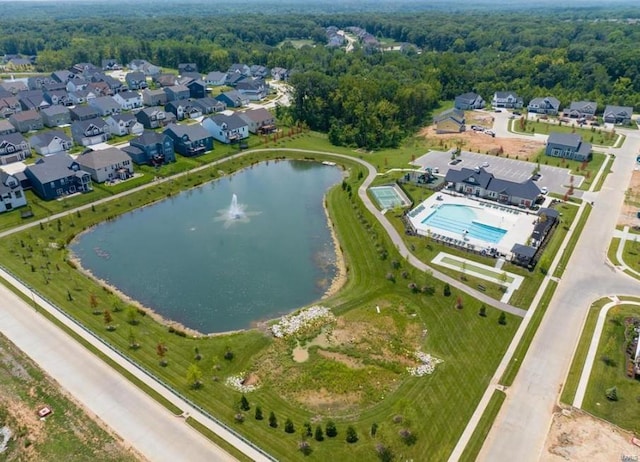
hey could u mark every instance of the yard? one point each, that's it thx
(595, 135)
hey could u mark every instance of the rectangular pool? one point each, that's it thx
(463, 220)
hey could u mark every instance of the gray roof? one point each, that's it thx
(570, 140)
(193, 132)
(105, 103)
(553, 102)
(452, 113)
(549, 213)
(129, 94)
(618, 110)
(506, 94)
(126, 117)
(44, 138)
(233, 121)
(590, 106)
(6, 125)
(54, 110)
(83, 111)
(83, 125)
(523, 250)
(148, 137)
(467, 97)
(4, 189)
(102, 158)
(215, 75)
(52, 168)
(24, 116)
(13, 138)
(480, 177)
(135, 75)
(257, 115)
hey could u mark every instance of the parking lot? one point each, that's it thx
(556, 179)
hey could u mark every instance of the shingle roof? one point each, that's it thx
(147, 138)
(102, 158)
(524, 250)
(571, 140)
(13, 138)
(257, 115)
(52, 167)
(233, 121)
(193, 132)
(56, 109)
(43, 139)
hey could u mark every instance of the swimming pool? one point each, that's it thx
(463, 220)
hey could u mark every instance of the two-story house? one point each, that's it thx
(582, 110)
(259, 121)
(32, 99)
(232, 98)
(6, 127)
(568, 146)
(136, 80)
(253, 89)
(215, 79)
(57, 176)
(450, 121)
(506, 99)
(81, 96)
(13, 148)
(89, 132)
(25, 121)
(57, 97)
(151, 148)
(106, 164)
(547, 105)
(226, 128)
(209, 105)
(55, 116)
(469, 101)
(187, 67)
(11, 193)
(124, 124)
(83, 113)
(190, 140)
(50, 142)
(177, 92)
(144, 66)
(617, 114)
(154, 117)
(105, 105)
(128, 100)
(197, 89)
(76, 84)
(154, 97)
(9, 105)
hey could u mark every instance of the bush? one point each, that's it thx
(307, 432)
(407, 436)
(447, 290)
(273, 421)
(319, 436)
(304, 447)
(244, 403)
(259, 415)
(384, 453)
(352, 436)
(228, 355)
(483, 311)
(502, 320)
(239, 417)
(612, 394)
(374, 429)
(289, 427)
(331, 429)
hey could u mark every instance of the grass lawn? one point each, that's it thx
(609, 369)
(568, 251)
(356, 383)
(607, 169)
(474, 445)
(70, 434)
(630, 254)
(588, 170)
(594, 135)
(613, 250)
(477, 269)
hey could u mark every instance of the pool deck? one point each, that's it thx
(517, 222)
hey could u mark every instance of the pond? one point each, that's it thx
(192, 261)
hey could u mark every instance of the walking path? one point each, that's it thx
(625, 236)
(593, 349)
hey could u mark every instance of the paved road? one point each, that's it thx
(522, 424)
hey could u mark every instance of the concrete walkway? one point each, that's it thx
(593, 350)
(625, 236)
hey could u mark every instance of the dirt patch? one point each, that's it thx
(324, 401)
(300, 354)
(471, 140)
(631, 206)
(347, 360)
(577, 436)
(251, 379)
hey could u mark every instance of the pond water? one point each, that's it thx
(192, 262)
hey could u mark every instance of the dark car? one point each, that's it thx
(455, 161)
(536, 177)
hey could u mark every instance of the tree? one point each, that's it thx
(93, 302)
(502, 320)
(244, 403)
(273, 421)
(108, 319)
(612, 394)
(319, 436)
(258, 414)
(194, 376)
(352, 436)
(307, 432)
(288, 426)
(483, 311)
(447, 289)
(132, 315)
(459, 304)
(374, 429)
(331, 429)
(161, 351)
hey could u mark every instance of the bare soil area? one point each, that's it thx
(480, 142)
(577, 436)
(631, 206)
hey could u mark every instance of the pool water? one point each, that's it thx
(460, 218)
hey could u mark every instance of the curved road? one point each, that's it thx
(522, 424)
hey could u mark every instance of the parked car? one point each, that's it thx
(477, 128)
(544, 190)
(455, 161)
(517, 113)
(536, 176)
(498, 110)
(490, 132)
(485, 164)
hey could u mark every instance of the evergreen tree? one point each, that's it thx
(259, 415)
(319, 436)
(273, 421)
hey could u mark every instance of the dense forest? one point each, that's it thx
(366, 97)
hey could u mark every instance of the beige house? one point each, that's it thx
(106, 164)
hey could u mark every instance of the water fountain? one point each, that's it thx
(235, 211)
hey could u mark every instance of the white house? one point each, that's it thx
(128, 99)
(124, 124)
(226, 128)
(11, 193)
(50, 142)
(106, 164)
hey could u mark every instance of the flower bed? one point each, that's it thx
(427, 367)
(237, 383)
(309, 317)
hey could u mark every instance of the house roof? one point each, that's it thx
(452, 113)
(549, 213)
(231, 95)
(103, 158)
(207, 101)
(485, 180)
(126, 117)
(4, 188)
(177, 89)
(570, 140)
(584, 106)
(151, 110)
(148, 137)
(193, 132)
(24, 116)
(158, 92)
(523, 250)
(105, 103)
(83, 125)
(550, 100)
(6, 125)
(479, 177)
(129, 95)
(257, 115)
(618, 110)
(216, 76)
(136, 75)
(233, 121)
(84, 111)
(43, 139)
(12, 138)
(467, 97)
(56, 109)
(506, 94)
(52, 168)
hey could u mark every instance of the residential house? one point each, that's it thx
(215, 79)
(197, 89)
(57, 97)
(280, 74)
(55, 116)
(523, 255)
(128, 100)
(469, 101)
(100, 88)
(568, 146)
(480, 183)
(226, 128)
(81, 96)
(14, 86)
(25, 121)
(450, 121)
(32, 99)
(187, 67)
(9, 105)
(57, 176)
(136, 80)
(13, 148)
(165, 80)
(11, 193)
(106, 164)
(547, 220)
(111, 64)
(233, 79)
(239, 69)
(36, 82)
(177, 92)
(547, 105)
(6, 127)
(85, 70)
(124, 124)
(253, 89)
(617, 114)
(89, 132)
(114, 84)
(53, 86)
(188, 77)
(232, 99)
(177, 108)
(259, 121)
(105, 105)
(62, 76)
(77, 84)
(259, 71)
(154, 97)
(144, 66)
(50, 142)
(190, 140)
(506, 99)
(154, 117)
(151, 148)
(209, 105)
(582, 110)
(84, 113)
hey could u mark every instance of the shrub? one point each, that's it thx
(307, 432)
(374, 429)
(319, 436)
(502, 320)
(447, 290)
(483, 311)
(244, 403)
(352, 436)
(407, 436)
(612, 394)
(384, 453)
(228, 355)
(397, 419)
(273, 421)
(289, 427)
(239, 417)
(259, 415)
(304, 447)
(331, 429)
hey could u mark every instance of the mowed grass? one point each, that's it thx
(594, 135)
(631, 253)
(434, 408)
(474, 446)
(606, 374)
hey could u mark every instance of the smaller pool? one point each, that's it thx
(388, 197)
(461, 219)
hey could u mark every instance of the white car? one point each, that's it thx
(544, 190)
(485, 164)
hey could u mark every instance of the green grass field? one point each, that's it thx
(434, 409)
(594, 135)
